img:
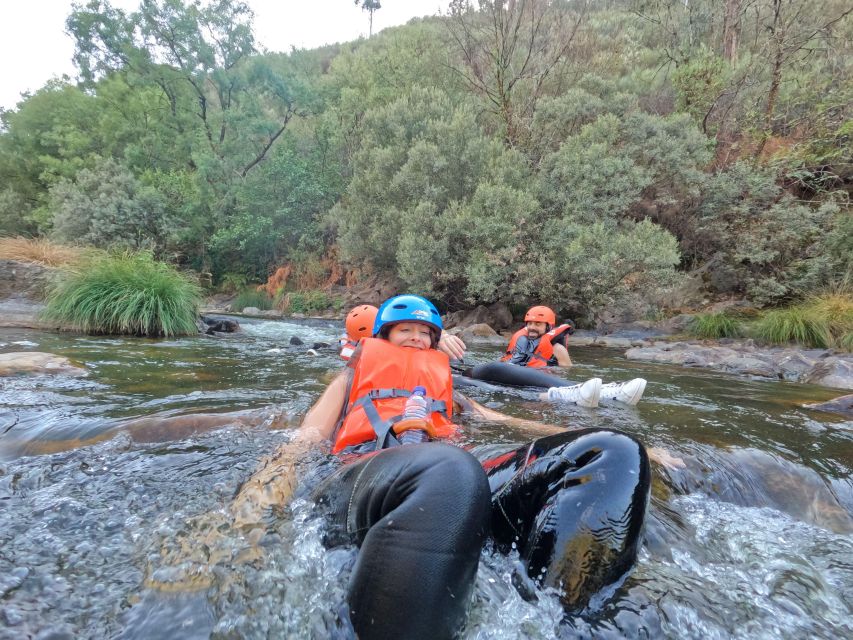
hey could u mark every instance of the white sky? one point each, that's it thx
(34, 46)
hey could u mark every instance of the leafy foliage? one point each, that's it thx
(125, 294)
(571, 153)
(107, 207)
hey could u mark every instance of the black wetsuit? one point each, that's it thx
(573, 503)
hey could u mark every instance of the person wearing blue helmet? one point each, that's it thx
(421, 513)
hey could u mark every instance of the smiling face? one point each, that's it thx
(536, 329)
(410, 334)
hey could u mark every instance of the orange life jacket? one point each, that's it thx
(544, 352)
(384, 377)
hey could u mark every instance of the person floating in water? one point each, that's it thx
(571, 502)
(541, 343)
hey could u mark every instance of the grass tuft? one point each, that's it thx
(820, 322)
(715, 325)
(125, 294)
(39, 251)
(252, 298)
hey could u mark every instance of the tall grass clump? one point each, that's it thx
(309, 302)
(252, 298)
(820, 322)
(39, 251)
(125, 294)
(715, 325)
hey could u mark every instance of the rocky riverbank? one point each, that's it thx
(22, 288)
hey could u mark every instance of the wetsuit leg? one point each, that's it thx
(574, 504)
(420, 514)
(516, 375)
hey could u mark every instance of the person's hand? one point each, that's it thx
(452, 346)
(665, 458)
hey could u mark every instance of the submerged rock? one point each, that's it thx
(841, 404)
(37, 362)
(211, 325)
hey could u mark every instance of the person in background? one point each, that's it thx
(542, 343)
(359, 324)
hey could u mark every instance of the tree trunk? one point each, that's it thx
(731, 30)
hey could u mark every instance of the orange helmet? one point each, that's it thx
(359, 322)
(541, 314)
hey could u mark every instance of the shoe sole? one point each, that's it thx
(593, 403)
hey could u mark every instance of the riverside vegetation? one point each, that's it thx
(588, 154)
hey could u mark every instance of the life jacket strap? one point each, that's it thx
(383, 428)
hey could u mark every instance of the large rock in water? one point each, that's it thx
(832, 372)
(496, 315)
(841, 404)
(481, 334)
(37, 362)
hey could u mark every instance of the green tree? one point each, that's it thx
(107, 207)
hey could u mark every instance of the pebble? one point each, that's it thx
(14, 579)
(12, 617)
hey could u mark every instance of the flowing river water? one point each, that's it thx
(115, 528)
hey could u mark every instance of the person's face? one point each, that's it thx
(536, 329)
(410, 334)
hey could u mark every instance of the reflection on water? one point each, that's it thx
(130, 537)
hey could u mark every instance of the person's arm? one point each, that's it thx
(478, 411)
(452, 346)
(562, 355)
(276, 479)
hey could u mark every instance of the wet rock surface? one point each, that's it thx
(37, 362)
(841, 404)
(819, 367)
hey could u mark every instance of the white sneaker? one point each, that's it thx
(628, 392)
(583, 395)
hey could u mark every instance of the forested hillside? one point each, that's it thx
(580, 153)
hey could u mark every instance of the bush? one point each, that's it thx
(252, 298)
(821, 322)
(310, 302)
(107, 207)
(715, 325)
(125, 294)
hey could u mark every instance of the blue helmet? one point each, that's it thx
(407, 308)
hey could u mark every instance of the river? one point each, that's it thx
(104, 534)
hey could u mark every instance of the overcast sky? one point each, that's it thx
(34, 46)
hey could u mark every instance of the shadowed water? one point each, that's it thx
(125, 533)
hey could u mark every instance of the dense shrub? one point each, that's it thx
(310, 302)
(107, 207)
(125, 294)
(765, 243)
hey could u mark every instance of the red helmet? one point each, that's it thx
(541, 314)
(359, 322)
